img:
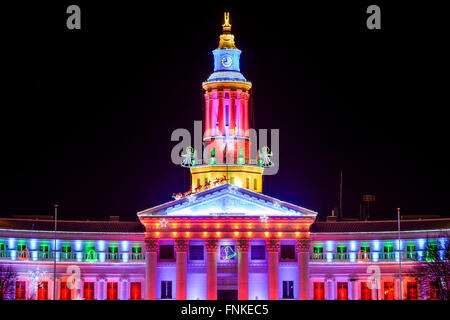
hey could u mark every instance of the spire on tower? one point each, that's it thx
(226, 38)
(226, 26)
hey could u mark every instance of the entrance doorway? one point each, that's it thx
(227, 294)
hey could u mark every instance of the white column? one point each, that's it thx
(124, 291)
(330, 289)
(351, 285)
(100, 290)
(356, 289)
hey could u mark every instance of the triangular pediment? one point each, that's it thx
(228, 200)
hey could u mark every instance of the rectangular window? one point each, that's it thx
(319, 291)
(433, 290)
(389, 290)
(89, 291)
(366, 293)
(90, 255)
(166, 289)
(247, 183)
(21, 247)
(135, 291)
(198, 183)
(2, 246)
(113, 253)
(341, 253)
(111, 293)
(388, 252)
(288, 289)
(66, 252)
(318, 253)
(196, 253)
(255, 184)
(287, 252)
(44, 251)
(20, 290)
(227, 115)
(136, 253)
(65, 292)
(411, 252)
(166, 252)
(364, 253)
(258, 252)
(42, 293)
(412, 290)
(342, 290)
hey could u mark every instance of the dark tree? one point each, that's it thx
(434, 270)
(7, 281)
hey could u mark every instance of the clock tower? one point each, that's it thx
(226, 140)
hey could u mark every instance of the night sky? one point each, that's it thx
(86, 116)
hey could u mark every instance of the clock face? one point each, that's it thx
(227, 61)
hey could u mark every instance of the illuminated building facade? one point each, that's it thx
(223, 239)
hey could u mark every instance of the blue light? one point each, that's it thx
(79, 256)
(442, 243)
(13, 255)
(125, 245)
(57, 242)
(329, 245)
(102, 257)
(33, 243)
(376, 245)
(34, 255)
(421, 244)
(352, 257)
(78, 245)
(125, 257)
(352, 245)
(397, 256)
(329, 257)
(11, 243)
(399, 244)
(375, 257)
(101, 245)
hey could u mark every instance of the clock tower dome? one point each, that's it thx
(226, 139)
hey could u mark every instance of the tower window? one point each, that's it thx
(227, 115)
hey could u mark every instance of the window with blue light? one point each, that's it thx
(196, 252)
(258, 252)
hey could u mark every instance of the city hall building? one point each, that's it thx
(222, 239)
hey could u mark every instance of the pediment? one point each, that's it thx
(228, 200)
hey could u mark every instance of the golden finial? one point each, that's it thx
(226, 38)
(226, 26)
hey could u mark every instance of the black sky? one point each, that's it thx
(87, 115)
